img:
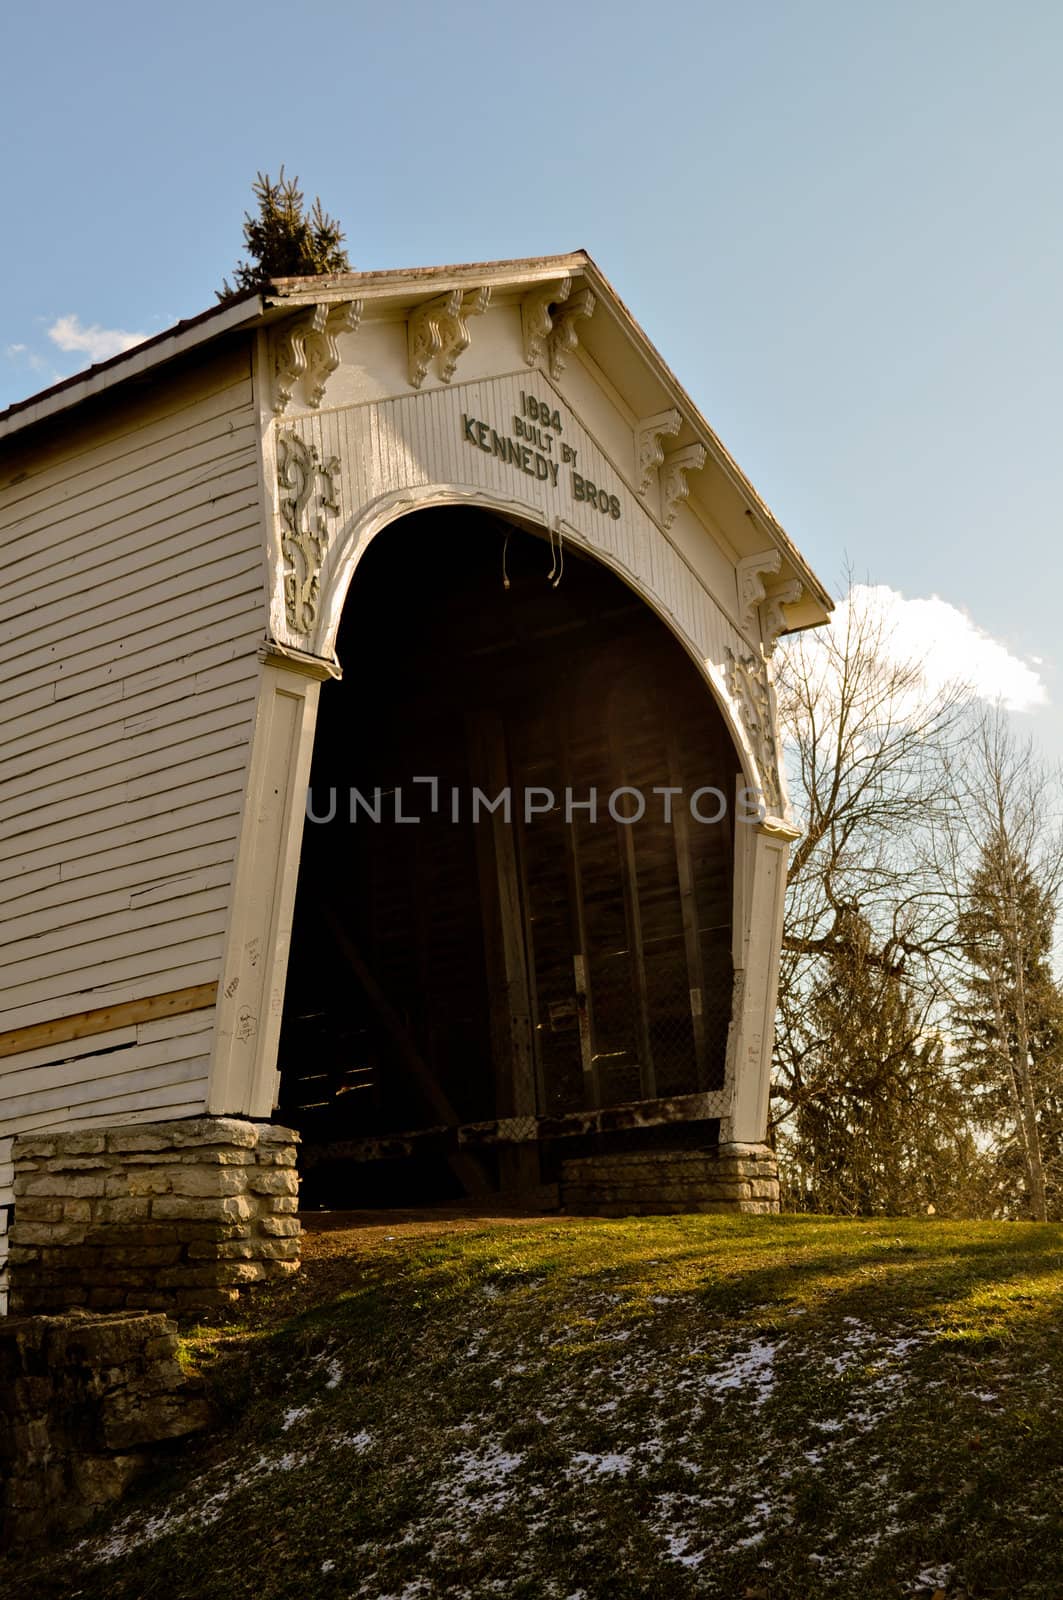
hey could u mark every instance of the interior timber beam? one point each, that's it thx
(466, 1168)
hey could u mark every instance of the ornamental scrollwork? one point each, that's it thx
(752, 692)
(674, 486)
(305, 352)
(768, 601)
(548, 320)
(649, 451)
(439, 329)
(307, 501)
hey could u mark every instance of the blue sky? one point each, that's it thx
(840, 224)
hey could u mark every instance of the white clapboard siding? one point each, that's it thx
(121, 699)
(139, 802)
(175, 877)
(132, 541)
(110, 677)
(131, 618)
(90, 751)
(192, 752)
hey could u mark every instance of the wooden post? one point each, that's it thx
(633, 915)
(512, 1040)
(689, 906)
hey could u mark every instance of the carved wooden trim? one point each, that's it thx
(564, 339)
(307, 501)
(751, 587)
(752, 692)
(548, 318)
(649, 452)
(536, 319)
(674, 486)
(755, 596)
(174, 1003)
(305, 353)
(438, 330)
(778, 597)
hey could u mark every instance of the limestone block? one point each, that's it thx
(225, 1250)
(213, 1131)
(31, 1210)
(125, 1208)
(280, 1227)
(276, 1181)
(127, 1141)
(47, 1233)
(278, 1249)
(35, 1145)
(57, 1185)
(193, 1209)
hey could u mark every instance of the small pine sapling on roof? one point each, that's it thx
(284, 240)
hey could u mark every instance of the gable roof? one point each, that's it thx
(393, 290)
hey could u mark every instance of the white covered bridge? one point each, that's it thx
(472, 513)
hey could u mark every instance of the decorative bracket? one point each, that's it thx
(751, 588)
(439, 329)
(674, 486)
(307, 501)
(305, 352)
(755, 595)
(751, 689)
(548, 318)
(774, 618)
(649, 452)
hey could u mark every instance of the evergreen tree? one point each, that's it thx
(879, 1125)
(1010, 1023)
(285, 241)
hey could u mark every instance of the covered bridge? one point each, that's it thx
(389, 753)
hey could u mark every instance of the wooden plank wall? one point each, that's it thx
(131, 612)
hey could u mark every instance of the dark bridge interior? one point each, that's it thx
(467, 1002)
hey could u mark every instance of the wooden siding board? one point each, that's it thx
(159, 689)
(135, 772)
(85, 752)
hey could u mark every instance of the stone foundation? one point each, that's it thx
(732, 1177)
(83, 1400)
(172, 1216)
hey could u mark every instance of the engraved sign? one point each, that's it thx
(535, 447)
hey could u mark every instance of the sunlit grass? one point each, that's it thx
(680, 1406)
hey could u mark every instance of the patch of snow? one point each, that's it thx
(359, 1441)
(335, 1374)
(589, 1465)
(296, 1414)
(751, 1370)
(934, 1577)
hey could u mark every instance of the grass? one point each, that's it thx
(764, 1408)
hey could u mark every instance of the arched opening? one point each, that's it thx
(481, 992)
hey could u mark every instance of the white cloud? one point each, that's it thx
(15, 350)
(949, 645)
(96, 342)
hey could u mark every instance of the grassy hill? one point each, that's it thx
(566, 1409)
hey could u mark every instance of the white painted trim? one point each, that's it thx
(243, 1076)
(749, 1052)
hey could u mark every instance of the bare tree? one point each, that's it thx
(869, 745)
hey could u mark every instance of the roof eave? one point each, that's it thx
(154, 352)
